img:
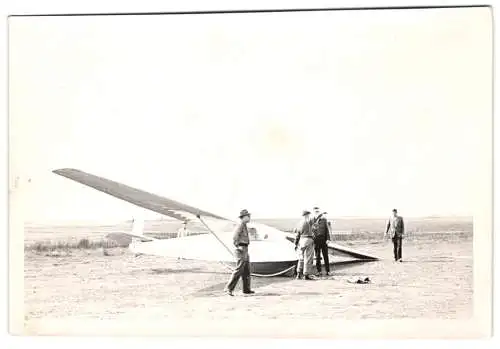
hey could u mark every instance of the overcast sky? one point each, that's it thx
(358, 112)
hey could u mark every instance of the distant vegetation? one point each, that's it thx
(82, 244)
(377, 225)
(51, 238)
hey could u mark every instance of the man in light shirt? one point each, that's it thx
(241, 240)
(305, 245)
(182, 232)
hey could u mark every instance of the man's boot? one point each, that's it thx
(246, 285)
(318, 269)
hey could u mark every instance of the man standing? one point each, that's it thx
(182, 232)
(321, 234)
(305, 246)
(396, 229)
(241, 241)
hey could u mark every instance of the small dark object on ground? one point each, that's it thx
(361, 281)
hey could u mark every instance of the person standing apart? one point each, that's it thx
(321, 234)
(241, 241)
(305, 246)
(395, 229)
(182, 232)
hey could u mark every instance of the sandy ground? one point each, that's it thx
(435, 281)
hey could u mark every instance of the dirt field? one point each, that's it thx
(435, 281)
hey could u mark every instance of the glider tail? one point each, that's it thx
(137, 233)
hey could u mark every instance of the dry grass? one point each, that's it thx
(59, 247)
(82, 244)
(76, 274)
(356, 228)
(378, 225)
(103, 243)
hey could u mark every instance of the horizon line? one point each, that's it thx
(118, 221)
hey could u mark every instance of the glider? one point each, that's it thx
(272, 251)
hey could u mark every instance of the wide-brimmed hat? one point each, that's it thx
(244, 213)
(305, 212)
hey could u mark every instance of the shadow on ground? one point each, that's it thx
(217, 290)
(196, 270)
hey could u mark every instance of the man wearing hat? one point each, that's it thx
(395, 229)
(305, 246)
(321, 234)
(241, 241)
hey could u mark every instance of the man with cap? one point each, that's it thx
(241, 241)
(321, 234)
(305, 246)
(395, 229)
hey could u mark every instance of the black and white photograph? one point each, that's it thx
(312, 173)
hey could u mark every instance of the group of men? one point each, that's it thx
(311, 239)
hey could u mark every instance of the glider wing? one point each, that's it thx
(138, 197)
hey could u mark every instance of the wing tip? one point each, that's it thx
(62, 171)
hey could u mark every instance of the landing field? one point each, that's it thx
(435, 281)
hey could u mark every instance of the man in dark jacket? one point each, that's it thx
(321, 233)
(395, 229)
